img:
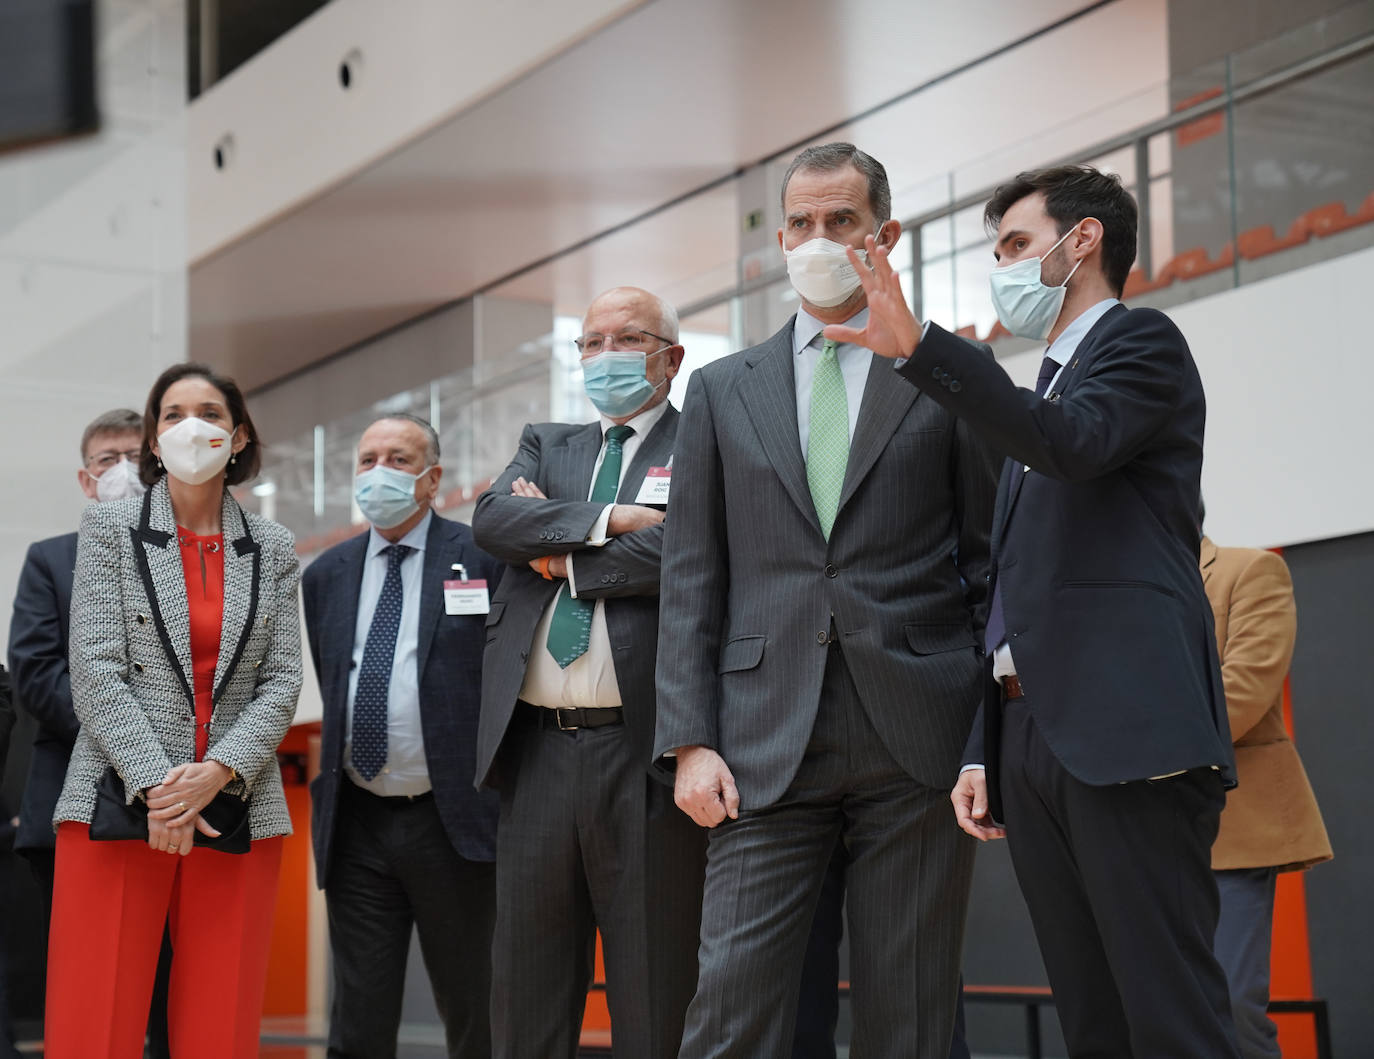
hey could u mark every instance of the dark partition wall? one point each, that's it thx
(1334, 583)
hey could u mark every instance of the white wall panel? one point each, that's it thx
(297, 132)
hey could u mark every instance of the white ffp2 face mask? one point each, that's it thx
(1024, 304)
(821, 273)
(119, 482)
(194, 451)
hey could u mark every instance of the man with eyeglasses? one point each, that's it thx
(588, 839)
(110, 448)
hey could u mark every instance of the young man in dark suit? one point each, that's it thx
(401, 838)
(1103, 746)
(589, 839)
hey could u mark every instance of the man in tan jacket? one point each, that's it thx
(1271, 822)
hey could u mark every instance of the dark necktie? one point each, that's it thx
(996, 630)
(374, 675)
(570, 628)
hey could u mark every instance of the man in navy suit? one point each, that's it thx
(1102, 749)
(395, 622)
(110, 447)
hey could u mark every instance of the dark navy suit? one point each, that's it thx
(1109, 771)
(388, 863)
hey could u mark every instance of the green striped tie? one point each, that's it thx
(570, 628)
(827, 449)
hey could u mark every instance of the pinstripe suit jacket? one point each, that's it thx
(131, 655)
(560, 458)
(750, 584)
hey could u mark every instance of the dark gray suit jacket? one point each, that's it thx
(560, 458)
(42, 684)
(450, 678)
(750, 583)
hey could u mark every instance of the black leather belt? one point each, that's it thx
(393, 800)
(570, 720)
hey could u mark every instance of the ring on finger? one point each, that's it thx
(181, 806)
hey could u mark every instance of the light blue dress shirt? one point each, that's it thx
(406, 771)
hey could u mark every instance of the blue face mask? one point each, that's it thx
(386, 496)
(616, 381)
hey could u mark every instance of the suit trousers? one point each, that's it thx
(1244, 932)
(908, 883)
(1119, 885)
(112, 902)
(394, 870)
(818, 1003)
(589, 841)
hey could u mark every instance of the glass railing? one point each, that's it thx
(1258, 164)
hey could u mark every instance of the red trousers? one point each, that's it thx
(110, 901)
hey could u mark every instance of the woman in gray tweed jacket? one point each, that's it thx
(185, 667)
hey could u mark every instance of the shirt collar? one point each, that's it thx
(642, 423)
(807, 327)
(1062, 349)
(414, 539)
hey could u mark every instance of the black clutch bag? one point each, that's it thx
(114, 820)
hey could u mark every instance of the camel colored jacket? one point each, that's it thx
(1271, 818)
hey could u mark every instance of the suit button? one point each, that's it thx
(955, 386)
(543, 535)
(935, 374)
(821, 637)
(142, 619)
(138, 667)
(830, 570)
(524, 656)
(624, 578)
(605, 579)
(558, 536)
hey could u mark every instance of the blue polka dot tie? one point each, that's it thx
(374, 676)
(570, 629)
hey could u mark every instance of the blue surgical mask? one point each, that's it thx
(386, 496)
(617, 383)
(1024, 304)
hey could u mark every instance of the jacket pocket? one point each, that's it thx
(494, 614)
(743, 652)
(930, 639)
(1148, 585)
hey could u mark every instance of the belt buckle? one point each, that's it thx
(558, 716)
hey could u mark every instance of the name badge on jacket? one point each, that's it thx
(464, 596)
(654, 489)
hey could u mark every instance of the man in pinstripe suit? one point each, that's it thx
(589, 840)
(823, 599)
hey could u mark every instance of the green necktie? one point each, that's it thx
(827, 449)
(570, 629)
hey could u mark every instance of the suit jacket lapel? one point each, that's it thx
(1072, 372)
(571, 466)
(884, 405)
(1207, 556)
(653, 451)
(342, 630)
(769, 393)
(164, 582)
(242, 587)
(441, 552)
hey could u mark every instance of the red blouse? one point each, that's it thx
(202, 561)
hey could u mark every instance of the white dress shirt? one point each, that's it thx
(1061, 351)
(588, 682)
(855, 361)
(406, 771)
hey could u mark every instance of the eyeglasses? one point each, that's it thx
(629, 341)
(102, 461)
